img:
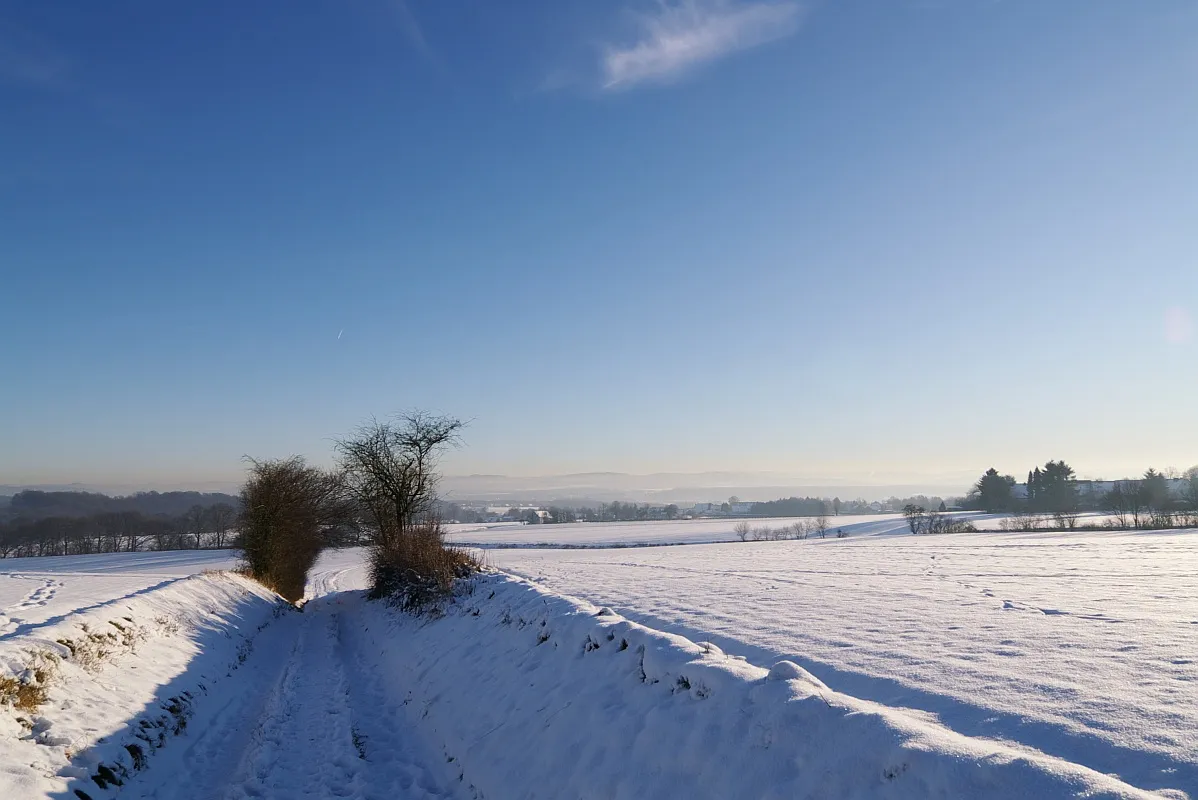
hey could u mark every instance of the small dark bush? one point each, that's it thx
(415, 569)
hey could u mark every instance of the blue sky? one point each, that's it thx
(850, 239)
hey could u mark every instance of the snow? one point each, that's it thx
(630, 534)
(1083, 646)
(883, 665)
(120, 676)
(34, 591)
(533, 694)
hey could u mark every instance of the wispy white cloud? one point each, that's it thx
(681, 34)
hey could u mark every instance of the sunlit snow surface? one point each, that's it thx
(1084, 646)
(37, 591)
(1080, 645)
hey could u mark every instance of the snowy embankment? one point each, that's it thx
(208, 687)
(533, 694)
(34, 591)
(1079, 645)
(91, 694)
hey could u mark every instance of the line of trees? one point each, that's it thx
(923, 521)
(33, 504)
(1151, 501)
(211, 526)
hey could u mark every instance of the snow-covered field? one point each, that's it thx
(1084, 646)
(881, 665)
(696, 531)
(35, 591)
(631, 534)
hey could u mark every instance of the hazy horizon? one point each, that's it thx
(866, 242)
(607, 486)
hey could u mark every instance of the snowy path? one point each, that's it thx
(301, 720)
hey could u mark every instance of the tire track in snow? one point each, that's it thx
(305, 717)
(396, 758)
(198, 764)
(304, 745)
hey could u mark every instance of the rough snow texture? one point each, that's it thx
(306, 718)
(535, 695)
(1079, 646)
(1084, 646)
(122, 679)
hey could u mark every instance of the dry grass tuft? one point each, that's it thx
(25, 696)
(415, 569)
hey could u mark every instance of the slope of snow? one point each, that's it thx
(211, 687)
(1084, 646)
(532, 694)
(34, 591)
(121, 679)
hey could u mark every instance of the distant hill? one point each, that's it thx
(36, 504)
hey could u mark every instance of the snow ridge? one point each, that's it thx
(123, 680)
(541, 695)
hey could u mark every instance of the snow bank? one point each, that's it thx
(541, 696)
(1079, 645)
(118, 680)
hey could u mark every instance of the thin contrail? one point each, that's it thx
(339, 333)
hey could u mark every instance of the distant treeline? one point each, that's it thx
(38, 523)
(821, 506)
(34, 504)
(1156, 500)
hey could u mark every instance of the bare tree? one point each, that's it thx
(915, 517)
(821, 525)
(221, 518)
(390, 468)
(742, 530)
(194, 520)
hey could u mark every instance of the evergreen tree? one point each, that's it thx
(994, 491)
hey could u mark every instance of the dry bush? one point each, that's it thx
(416, 569)
(22, 695)
(28, 691)
(941, 523)
(799, 530)
(286, 509)
(821, 525)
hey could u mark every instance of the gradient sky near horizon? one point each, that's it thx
(839, 239)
